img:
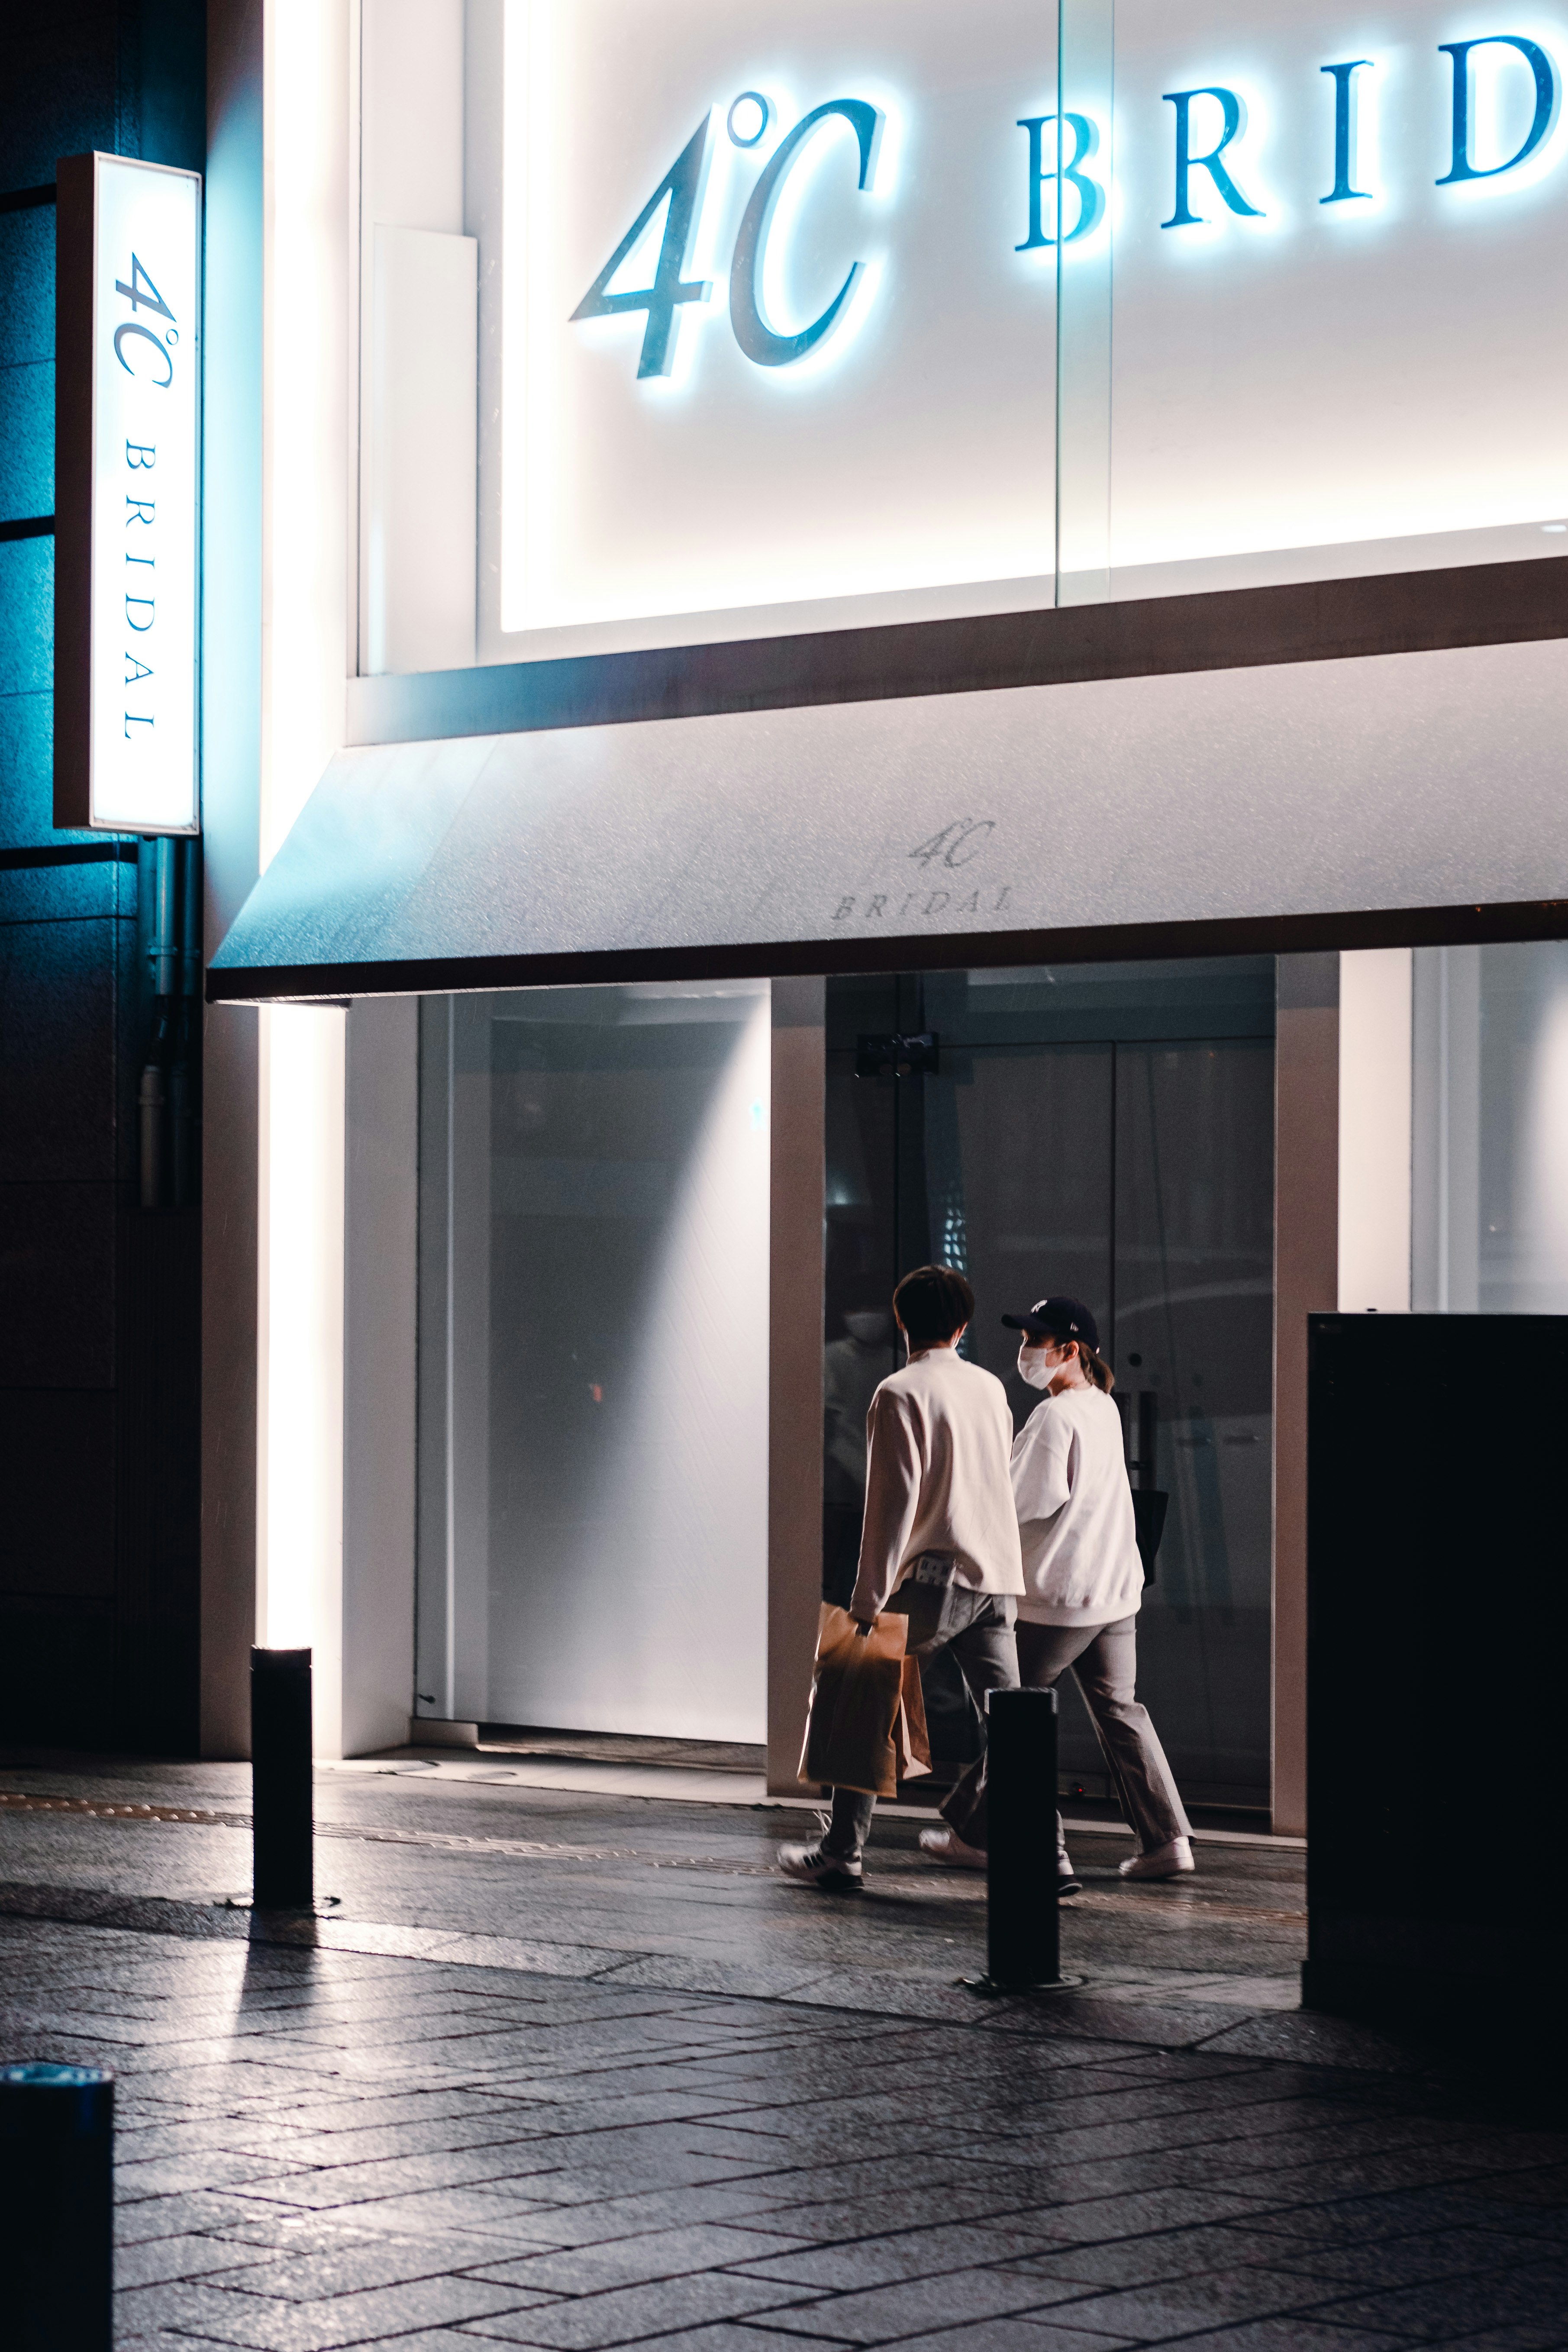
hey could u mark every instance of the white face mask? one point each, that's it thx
(870, 1326)
(1033, 1366)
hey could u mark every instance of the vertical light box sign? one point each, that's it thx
(128, 455)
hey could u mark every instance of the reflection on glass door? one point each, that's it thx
(593, 1359)
(1108, 1132)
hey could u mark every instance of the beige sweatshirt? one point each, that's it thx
(1075, 1509)
(939, 1436)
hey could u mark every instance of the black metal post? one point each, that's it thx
(282, 1824)
(57, 2208)
(1023, 1942)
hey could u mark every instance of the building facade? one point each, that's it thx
(830, 638)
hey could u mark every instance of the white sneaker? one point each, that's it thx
(813, 1868)
(1173, 1861)
(947, 1846)
(1068, 1880)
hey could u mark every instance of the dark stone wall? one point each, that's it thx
(99, 1297)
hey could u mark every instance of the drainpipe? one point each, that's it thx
(166, 1108)
(183, 1110)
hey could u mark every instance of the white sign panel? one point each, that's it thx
(725, 382)
(786, 321)
(1340, 283)
(146, 452)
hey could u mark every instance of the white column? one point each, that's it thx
(299, 1505)
(1446, 1187)
(1374, 1130)
(463, 1695)
(1306, 1182)
(309, 327)
(797, 1181)
(231, 673)
(381, 1321)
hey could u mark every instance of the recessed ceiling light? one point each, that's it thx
(1554, 526)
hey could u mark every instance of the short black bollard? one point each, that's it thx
(1024, 1945)
(282, 1823)
(57, 2208)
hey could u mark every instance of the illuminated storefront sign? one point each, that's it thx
(1061, 179)
(128, 447)
(814, 302)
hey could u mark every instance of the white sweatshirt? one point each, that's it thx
(937, 1439)
(1075, 1513)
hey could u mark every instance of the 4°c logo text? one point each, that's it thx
(1208, 170)
(678, 199)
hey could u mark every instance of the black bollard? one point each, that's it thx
(1024, 1945)
(282, 1823)
(57, 2208)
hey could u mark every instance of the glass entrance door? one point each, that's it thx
(1105, 1131)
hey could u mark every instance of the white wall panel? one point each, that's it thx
(423, 404)
(1374, 1130)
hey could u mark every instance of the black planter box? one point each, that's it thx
(1438, 1673)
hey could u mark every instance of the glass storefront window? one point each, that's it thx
(1106, 1131)
(593, 1359)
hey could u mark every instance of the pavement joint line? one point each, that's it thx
(541, 1850)
(495, 1767)
(1052, 2011)
(439, 1841)
(24, 1801)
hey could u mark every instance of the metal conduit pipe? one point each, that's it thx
(166, 1106)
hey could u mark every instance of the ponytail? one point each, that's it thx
(1090, 1362)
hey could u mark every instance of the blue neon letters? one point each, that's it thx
(1344, 123)
(682, 187)
(1546, 94)
(753, 334)
(1222, 122)
(1089, 193)
(1233, 117)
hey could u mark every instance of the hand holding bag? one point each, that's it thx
(856, 1691)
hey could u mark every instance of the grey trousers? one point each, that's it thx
(977, 1627)
(1104, 1661)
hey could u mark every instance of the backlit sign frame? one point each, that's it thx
(127, 502)
(817, 317)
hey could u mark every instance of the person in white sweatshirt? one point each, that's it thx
(939, 1544)
(1083, 1578)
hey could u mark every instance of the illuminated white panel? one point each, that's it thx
(423, 398)
(1312, 304)
(1370, 357)
(1374, 1130)
(146, 376)
(650, 473)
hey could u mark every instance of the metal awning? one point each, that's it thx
(1318, 802)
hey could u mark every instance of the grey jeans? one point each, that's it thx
(977, 1627)
(1104, 1661)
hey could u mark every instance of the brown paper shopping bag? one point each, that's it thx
(855, 1696)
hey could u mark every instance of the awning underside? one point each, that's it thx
(1429, 779)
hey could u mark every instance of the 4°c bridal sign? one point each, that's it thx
(127, 459)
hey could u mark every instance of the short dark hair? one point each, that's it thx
(932, 1303)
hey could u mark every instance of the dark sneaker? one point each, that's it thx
(831, 1872)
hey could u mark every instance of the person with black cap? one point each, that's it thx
(1083, 1577)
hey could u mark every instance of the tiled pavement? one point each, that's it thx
(320, 2146)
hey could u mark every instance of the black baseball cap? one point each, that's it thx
(1056, 1318)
